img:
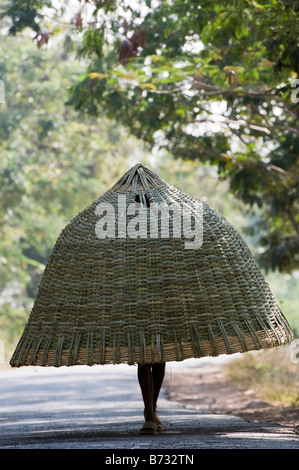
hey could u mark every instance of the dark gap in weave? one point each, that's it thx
(140, 201)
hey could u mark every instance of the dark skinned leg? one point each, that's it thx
(145, 378)
(150, 377)
(158, 372)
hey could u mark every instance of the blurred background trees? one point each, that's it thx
(202, 92)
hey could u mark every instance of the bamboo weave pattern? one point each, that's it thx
(146, 300)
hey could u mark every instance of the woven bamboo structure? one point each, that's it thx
(148, 299)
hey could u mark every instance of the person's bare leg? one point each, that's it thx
(158, 373)
(145, 378)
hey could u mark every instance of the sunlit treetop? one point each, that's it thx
(208, 81)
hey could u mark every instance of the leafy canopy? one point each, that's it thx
(208, 81)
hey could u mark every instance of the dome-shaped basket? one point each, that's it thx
(126, 283)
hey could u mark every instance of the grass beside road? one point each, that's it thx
(273, 374)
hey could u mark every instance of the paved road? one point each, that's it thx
(100, 407)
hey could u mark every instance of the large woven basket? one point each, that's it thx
(148, 299)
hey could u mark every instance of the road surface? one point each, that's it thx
(100, 407)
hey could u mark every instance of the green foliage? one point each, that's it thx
(92, 43)
(54, 160)
(210, 82)
(271, 374)
(53, 163)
